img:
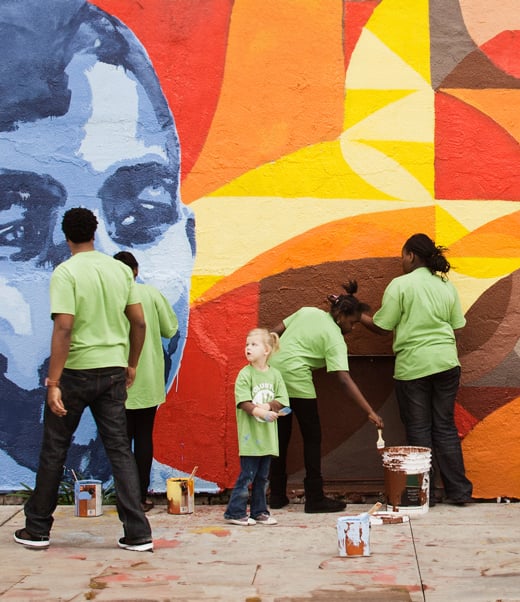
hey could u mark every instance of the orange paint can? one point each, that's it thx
(180, 493)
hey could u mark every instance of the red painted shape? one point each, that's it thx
(474, 157)
(166, 543)
(355, 17)
(464, 420)
(186, 42)
(197, 425)
(504, 51)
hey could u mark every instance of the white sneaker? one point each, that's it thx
(143, 546)
(243, 522)
(266, 519)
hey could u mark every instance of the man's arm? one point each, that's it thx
(60, 344)
(135, 316)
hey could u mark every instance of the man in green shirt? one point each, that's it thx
(93, 299)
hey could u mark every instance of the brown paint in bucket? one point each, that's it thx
(180, 493)
(407, 479)
(88, 498)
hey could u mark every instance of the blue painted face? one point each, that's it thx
(114, 152)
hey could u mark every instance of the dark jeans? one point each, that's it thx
(104, 391)
(139, 426)
(253, 470)
(427, 408)
(306, 412)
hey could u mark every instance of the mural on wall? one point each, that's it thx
(83, 122)
(314, 142)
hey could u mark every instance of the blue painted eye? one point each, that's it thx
(140, 202)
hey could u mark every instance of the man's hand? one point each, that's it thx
(130, 376)
(55, 402)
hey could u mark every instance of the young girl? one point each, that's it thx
(260, 394)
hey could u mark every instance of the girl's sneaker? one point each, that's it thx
(265, 519)
(246, 521)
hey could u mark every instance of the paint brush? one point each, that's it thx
(375, 508)
(193, 473)
(380, 441)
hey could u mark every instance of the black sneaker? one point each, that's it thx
(326, 504)
(278, 501)
(31, 541)
(141, 546)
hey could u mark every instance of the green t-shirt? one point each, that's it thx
(95, 289)
(423, 310)
(257, 437)
(311, 340)
(161, 321)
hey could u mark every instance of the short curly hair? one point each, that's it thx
(79, 225)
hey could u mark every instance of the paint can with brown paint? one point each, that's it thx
(354, 535)
(88, 498)
(407, 479)
(180, 493)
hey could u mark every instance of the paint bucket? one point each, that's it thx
(407, 479)
(354, 535)
(180, 493)
(88, 498)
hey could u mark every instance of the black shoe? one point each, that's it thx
(459, 501)
(32, 541)
(278, 501)
(142, 546)
(147, 505)
(326, 504)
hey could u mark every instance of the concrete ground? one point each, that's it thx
(448, 554)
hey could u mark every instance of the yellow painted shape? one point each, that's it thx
(486, 267)
(201, 283)
(359, 104)
(474, 214)
(318, 171)
(383, 172)
(404, 26)
(411, 119)
(491, 453)
(416, 157)
(470, 289)
(247, 229)
(374, 65)
(447, 228)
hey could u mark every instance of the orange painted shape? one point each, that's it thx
(491, 454)
(372, 235)
(283, 89)
(498, 238)
(474, 157)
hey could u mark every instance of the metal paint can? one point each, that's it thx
(407, 479)
(180, 493)
(354, 535)
(88, 498)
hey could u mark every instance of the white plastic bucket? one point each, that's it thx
(354, 535)
(407, 479)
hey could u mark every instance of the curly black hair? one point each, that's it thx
(79, 225)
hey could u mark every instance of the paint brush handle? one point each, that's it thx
(193, 473)
(380, 441)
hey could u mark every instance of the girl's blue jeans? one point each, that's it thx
(254, 470)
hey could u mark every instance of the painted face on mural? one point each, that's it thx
(100, 135)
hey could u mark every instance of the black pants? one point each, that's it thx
(427, 407)
(306, 412)
(139, 425)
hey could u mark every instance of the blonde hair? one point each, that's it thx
(270, 339)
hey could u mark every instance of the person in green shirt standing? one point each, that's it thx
(260, 394)
(148, 391)
(96, 312)
(310, 339)
(423, 310)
